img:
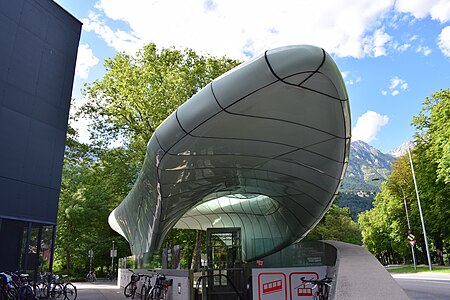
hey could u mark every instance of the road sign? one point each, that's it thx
(411, 237)
(113, 253)
(412, 242)
(260, 262)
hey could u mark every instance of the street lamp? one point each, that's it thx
(407, 217)
(409, 224)
(113, 254)
(420, 210)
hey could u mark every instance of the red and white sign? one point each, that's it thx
(300, 289)
(285, 283)
(412, 242)
(260, 263)
(272, 285)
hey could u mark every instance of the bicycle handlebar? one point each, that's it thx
(326, 280)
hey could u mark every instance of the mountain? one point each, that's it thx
(367, 167)
(402, 149)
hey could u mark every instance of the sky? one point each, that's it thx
(392, 54)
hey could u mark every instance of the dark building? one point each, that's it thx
(38, 50)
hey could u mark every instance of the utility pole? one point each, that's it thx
(420, 211)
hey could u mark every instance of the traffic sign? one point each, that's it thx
(412, 242)
(411, 237)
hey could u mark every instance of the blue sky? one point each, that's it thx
(392, 54)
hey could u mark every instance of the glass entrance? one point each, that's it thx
(225, 272)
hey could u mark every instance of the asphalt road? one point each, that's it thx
(425, 285)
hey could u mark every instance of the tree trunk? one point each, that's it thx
(197, 257)
(68, 262)
(439, 248)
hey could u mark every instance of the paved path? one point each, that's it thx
(424, 285)
(99, 291)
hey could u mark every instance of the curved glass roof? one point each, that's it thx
(264, 147)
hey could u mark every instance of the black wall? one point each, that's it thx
(38, 50)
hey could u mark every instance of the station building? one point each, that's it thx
(38, 51)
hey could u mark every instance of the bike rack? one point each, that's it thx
(196, 295)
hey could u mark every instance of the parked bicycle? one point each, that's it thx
(160, 289)
(146, 286)
(90, 277)
(322, 287)
(131, 287)
(69, 289)
(7, 290)
(55, 288)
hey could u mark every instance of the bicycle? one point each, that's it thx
(90, 277)
(146, 287)
(69, 289)
(160, 289)
(131, 287)
(55, 288)
(322, 286)
(7, 290)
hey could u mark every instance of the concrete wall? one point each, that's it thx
(181, 288)
(359, 275)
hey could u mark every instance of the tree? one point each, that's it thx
(134, 96)
(432, 128)
(138, 92)
(338, 225)
(433, 166)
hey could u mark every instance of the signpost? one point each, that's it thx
(113, 254)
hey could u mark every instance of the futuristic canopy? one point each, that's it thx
(264, 147)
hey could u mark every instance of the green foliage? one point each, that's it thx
(125, 107)
(337, 225)
(432, 125)
(387, 220)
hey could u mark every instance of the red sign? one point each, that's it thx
(260, 263)
(412, 242)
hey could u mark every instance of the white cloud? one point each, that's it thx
(437, 9)
(424, 50)
(368, 126)
(396, 84)
(241, 28)
(444, 41)
(85, 60)
(117, 39)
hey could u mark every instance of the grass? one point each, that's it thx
(420, 268)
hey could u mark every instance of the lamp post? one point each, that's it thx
(420, 211)
(407, 218)
(113, 254)
(409, 224)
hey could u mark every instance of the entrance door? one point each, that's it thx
(224, 263)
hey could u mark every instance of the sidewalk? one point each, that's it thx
(99, 290)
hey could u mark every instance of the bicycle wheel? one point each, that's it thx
(128, 290)
(26, 293)
(156, 294)
(41, 291)
(70, 291)
(11, 294)
(144, 291)
(57, 291)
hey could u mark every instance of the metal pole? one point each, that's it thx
(420, 211)
(112, 259)
(409, 225)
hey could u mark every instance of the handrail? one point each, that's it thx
(214, 275)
